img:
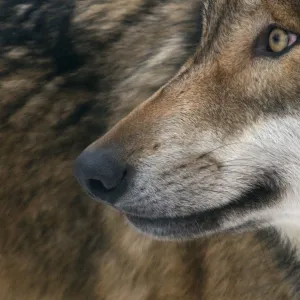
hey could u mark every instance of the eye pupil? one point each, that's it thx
(276, 38)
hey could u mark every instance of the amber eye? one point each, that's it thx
(275, 41)
(278, 40)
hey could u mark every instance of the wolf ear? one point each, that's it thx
(286, 12)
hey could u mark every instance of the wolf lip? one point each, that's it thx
(169, 228)
(205, 221)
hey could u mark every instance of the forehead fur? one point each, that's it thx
(286, 12)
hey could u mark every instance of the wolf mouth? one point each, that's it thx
(207, 221)
(169, 227)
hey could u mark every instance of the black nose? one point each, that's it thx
(101, 173)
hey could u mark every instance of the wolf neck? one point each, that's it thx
(290, 236)
(288, 222)
(287, 226)
(287, 253)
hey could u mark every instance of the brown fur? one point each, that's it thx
(54, 242)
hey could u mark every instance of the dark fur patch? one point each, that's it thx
(44, 26)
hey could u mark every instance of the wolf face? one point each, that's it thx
(215, 149)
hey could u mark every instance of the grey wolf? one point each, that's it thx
(216, 148)
(69, 70)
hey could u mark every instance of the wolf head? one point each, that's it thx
(217, 147)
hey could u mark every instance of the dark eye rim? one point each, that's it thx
(261, 43)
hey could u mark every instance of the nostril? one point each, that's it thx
(124, 175)
(96, 186)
